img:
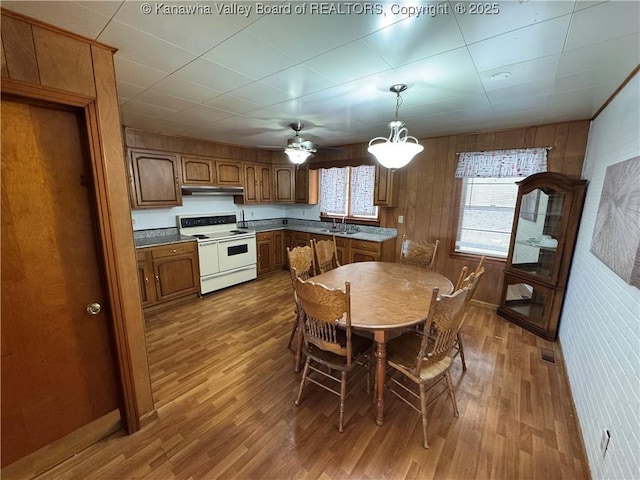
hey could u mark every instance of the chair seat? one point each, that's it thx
(401, 355)
(359, 347)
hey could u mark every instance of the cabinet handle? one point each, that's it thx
(146, 281)
(157, 279)
(174, 250)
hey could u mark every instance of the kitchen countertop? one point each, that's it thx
(154, 241)
(360, 235)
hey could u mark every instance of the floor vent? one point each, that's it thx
(548, 355)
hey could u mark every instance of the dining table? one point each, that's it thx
(386, 297)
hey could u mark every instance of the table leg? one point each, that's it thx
(381, 372)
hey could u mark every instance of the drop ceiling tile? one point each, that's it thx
(212, 75)
(261, 94)
(199, 115)
(107, 8)
(149, 109)
(348, 62)
(127, 90)
(232, 103)
(579, 103)
(190, 91)
(70, 16)
(543, 68)
(136, 74)
(540, 40)
(305, 36)
(196, 33)
(143, 48)
(415, 38)
(134, 119)
(622, 52)
(156, 97)
(297, 81)
(511, 16)
(603, 22)
(527, 95)
(247, 54)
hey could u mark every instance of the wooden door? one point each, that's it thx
(285, 189)
(58, 366)
(156, 179)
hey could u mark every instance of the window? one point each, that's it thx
(487, 206)
(348, 192)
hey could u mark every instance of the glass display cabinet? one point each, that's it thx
(545, 227)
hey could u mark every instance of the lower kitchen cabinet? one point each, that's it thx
(168, 272)
(271, 250)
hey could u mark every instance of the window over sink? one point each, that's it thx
(348, 192)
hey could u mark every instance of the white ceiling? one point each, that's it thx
(242, 79)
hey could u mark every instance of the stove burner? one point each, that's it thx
(199, 235)
(236, 232)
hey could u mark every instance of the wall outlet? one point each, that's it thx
(604, 442)
(400, 219)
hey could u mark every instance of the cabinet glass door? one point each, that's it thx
(527, 300)
(538, 229)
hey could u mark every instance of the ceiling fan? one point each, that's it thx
(298, 149)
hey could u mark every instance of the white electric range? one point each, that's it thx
(227, 254)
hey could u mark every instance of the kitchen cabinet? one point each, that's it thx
(306, 185)
(545, 227)
(284, 191)
(386, 187)
(258, 184)
(301, 239)
(271, 250)
(287, 242)
(168, 272)
(210, 171)
(364, 251)
(154, 179)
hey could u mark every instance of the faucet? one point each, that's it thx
(344, 226)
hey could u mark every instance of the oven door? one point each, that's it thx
(208, 255)
(236, 253)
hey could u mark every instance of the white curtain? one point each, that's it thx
(362, 185)
(502, 163)
(333, 190)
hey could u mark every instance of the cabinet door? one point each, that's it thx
(251, 183)
(284, 183)
(264, 243)
(306, 185)
(176, 276)
(301, 239)
(386, 189)
(229, 173)
(266, 186)
(278, 249)
(287, 240)
(363, 251)
(197, 171)
(155, 179)
(343, 246)
(146, 279)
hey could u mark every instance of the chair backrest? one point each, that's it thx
(322, 307)
(419, 252)
(470, 281)
(441, 328)
(462, 278)
(325, 254)
(300, 262)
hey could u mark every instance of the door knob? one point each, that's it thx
(94, 308)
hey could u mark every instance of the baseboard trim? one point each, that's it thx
(50, 455)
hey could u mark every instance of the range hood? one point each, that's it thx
(211, 190)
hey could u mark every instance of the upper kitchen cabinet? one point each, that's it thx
(306, 185)
(258, 182)
(284, 183)
(386, 187)
(210, 171)
(155, 179)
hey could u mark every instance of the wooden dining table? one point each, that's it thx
(385, 297)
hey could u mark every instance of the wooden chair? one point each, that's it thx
(325, 255)
(327, 345)
(419, 252)
(424, 358)
(467, 281)
(300, 266)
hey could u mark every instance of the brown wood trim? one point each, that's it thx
(114, 284)
(40, 92)
(53, 28)
(618, 90)
(52, 454)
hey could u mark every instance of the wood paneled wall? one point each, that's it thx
(429, 191)
(43, 62)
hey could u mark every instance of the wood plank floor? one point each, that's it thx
(224, 387)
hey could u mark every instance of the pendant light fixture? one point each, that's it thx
(299, 149)
(397, 150)
(297, 155)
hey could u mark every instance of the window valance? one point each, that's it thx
(502, 163)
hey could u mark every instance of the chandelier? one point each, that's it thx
(397, 150)
(299, 149)
(297, 155)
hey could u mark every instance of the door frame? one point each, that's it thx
(107, 248)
